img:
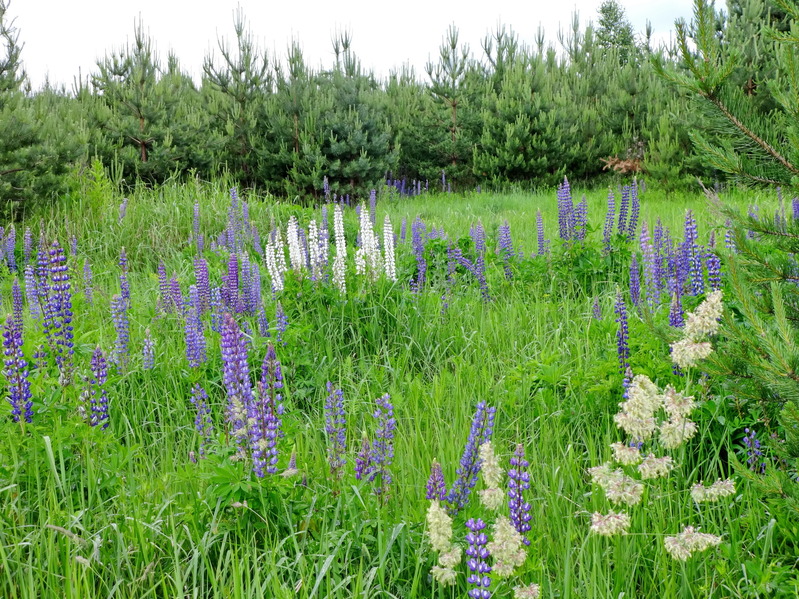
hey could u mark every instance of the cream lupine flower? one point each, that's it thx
(689, 541)
(687, 352)
(293, 240)
(280, 252)
(492, 497)
(340, 261)
(704, 321)
(714, 492)
(626, 455)
(272, 268)
(676, 431)
(531, 591)
(610, 524)
(313, 249)
(653, 467)
(507, 548)
(388, 250)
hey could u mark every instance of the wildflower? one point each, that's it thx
(16, 304)
(382, 452)
(16, 373)
(98, 405)
(291, 470)
(714, 492)
(531, 591)
(203, 284)
(481, 430)
(236, 377)
(676, 431)
(624, 206)
(653, 467)
(282, 322)
(618, 487)
(689, 541)
(165, 298)
(418, 241)
(626, 455)
(148, 351)
(439, 527)
(507, 548)
(195, 339)
(436, 487)
(518, 483)
(610, 524)
(335, 427)
(123, 208)
(124, 284)
(340, 261)
(676, 404)
(704, 321)
(388, 250)
(492, 495)
(686, 352)
(264, 416)
(32, 293)
(477, 564)
(635, 281)
(565, 211)
(753, 451)
(636, 417)
(610, 218)
(293, 241)
(119, 313)
(362, 460)
(622, 335)
(542, 243)
(202, 418)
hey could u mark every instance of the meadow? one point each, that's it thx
(129, 481)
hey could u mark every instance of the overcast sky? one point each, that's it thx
(62, 37)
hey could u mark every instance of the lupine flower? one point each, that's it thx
(542, 243)
(418, 239)
(335, 427)
(195, 338)
(580, 220)
(721, 488)
(634, 211)
(282, 322)
(198, 239)
(16, 304)
(713, 270)
(367, 258)
(230, 288)
(119, 314)
(507, 548)
(436, 487)
(650, 276)
(203, 284)
(610, 524)
(88, 283)
(623, 208)
(95, 392)
(148, 351)
(688, 542)
(754, 455)
(623, 334)
(216, 310)
(27, 245)
(403, 230)
(11, 245)
(635, 282)
(479, 270)
(32, 293)
(58, 311)
(293, 241)
(16, 373)
(565, 211)
(265, 416)
(362, 460)
(382, 452)
(466, 475)
(693, 254)
(478, 560)
(165, 296)
(610, 220)
(491, 497)
(596, 309)
(729, 236)
(314, 254)
(236, 377)
(662, 248)
(272, 268)
(245, 304)
(123, 208)
(202, 419)
(506, 248)
(388, 250)
(518, 483)
(340, 261)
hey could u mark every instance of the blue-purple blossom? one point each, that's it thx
(73, 245)
(236, 378)
(282, 323)
(176, 294)
(124, 285)
(32, 293)
(635, 281)
(403, 230)
(165, 296)
(693, 255)
(436, 486)
(27, 245)
(624, 206)
(58, 311)
(265, 416)
(466, 475)
(95, 392)
(203, 284)
(610, 219)
(478, 554)
(506, 248)
(754, 455)
(580, 220)
(542, 242)
(596, 309)
(195, 337)
(335, 428)
(713, 270)
(11, 244)
(381, 454)
(202, 417)
(676, 311)
(362, 458)
(622, 335)
(635, 210)
(16, 304)
(119, 314)
(198, 239)
(16, 373)
(148, 351)
(566, 220)
(518, 483)
(418, 231)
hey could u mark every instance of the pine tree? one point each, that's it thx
(615, 32)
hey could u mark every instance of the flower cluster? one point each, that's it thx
(699, 324)
(518, 483)
(439, 531)
(381, 454)
(335, 427)
(688, 542)
(478, 554)
(712, 493)
(481, 431)
(492, 496)
(16, 373)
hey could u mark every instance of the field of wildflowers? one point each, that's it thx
(476, 396)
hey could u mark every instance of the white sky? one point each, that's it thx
(62, 37)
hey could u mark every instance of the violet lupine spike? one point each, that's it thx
(381, 455)
(11, 244)
(236, 378)
(176, 294)
(610, 220)
(88, 283)
(59, 310)
(580, 220)
(418, 231)
(676, 312)
(661, 246)
(403, 230)
(119, 314)
(203, 284)
(123, 209)
(754, 453)
(713, 270)
(165, 296)
(729, 236)
(148, 351)
(16, 303)
(596, 309)
(245, 286)
(624, 206)
(436, 485)
(216, 310)
(256, 241)
(478, 554)
(94, 395)
(542, 242)
(27, 245)
(479, 237)
(693, 255)
(195, 338)
(565, 211)
(336, 430)
(202, 418)
(266, 416)
(623, 334)
(73, 245)
(795, 206)
(198, 241)
(363, 457)
(16, 373)
(124, 285)
(282, 323)
(506, 248)
(635, 209)
(466, 475)
(518, 483)
(230, 292)
(32, 293)
(635, 282)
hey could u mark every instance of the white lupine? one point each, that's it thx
(388, 250)
(293, 240)
(280, 252)
(272, 268)
(340, 261)
(367, 257)
(313, 250)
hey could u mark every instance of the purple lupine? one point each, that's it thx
(236, 377)
(436, 486)
(233, 222)
(282, 323)
(203, 284)
(16, 373)
(256, 240)
(693, 255)
(95, 392)
(518, 483)
(754, 455)
(73, 245)
(198, 240)
(542, 242)
(58, 312)
(506, 248)
(123, 209)
(623, 334)
(635, 281)
(610, 220)
(453, 253)
(795, 206)
(418, 231)
(335, 428)
(466, 475)
(216, 310)
(31, 293)
(479, 238)
(362, 459)
(676, 311)
(661, 244)
(650, 275)
(729, 236)
(88, 283)
(195, 338)
(202, 417)
(16, 304)
(124, 285)
(381, 454)
(596, 309)
(256, 301)
(119, 314)
(624, 206)
(265, 416)
(635, 209)
(165, 297)
(478, 554)
(230, 290)
(175, 294)
(713, 270)
(580, 220)
(565, 211)
(245, 286)
(27, 245)
(403, 230)
(148, 351)
(11, 244)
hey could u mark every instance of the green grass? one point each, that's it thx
(125, 513)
